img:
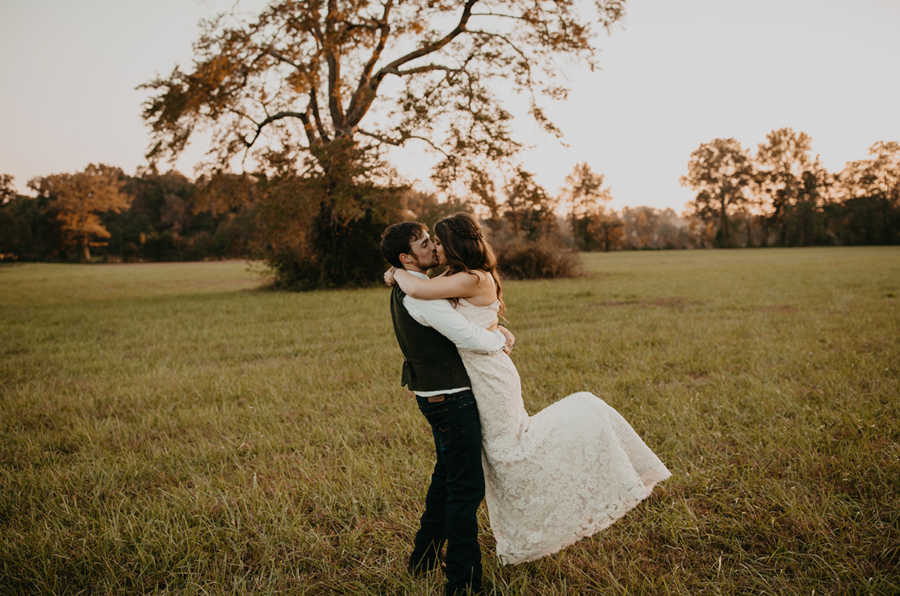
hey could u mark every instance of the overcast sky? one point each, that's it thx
(674, 75)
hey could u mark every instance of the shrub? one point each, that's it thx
(316, 234)
(539, 259)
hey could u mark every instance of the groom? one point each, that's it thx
(429, 333)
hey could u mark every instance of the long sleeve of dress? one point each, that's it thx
(443, 318)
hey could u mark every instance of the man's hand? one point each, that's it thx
(510, 338)
(389, 277)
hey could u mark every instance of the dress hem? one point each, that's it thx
(508, 559)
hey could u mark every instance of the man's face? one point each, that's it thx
(423, 253)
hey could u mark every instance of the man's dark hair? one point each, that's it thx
(397, 238)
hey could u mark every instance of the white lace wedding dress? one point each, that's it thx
(565, 473)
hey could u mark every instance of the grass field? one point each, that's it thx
(170, 428)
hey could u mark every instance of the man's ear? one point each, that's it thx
(404, 259)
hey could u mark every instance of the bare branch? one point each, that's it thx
(365, 91)
(274, 117)
(498, 14)
(426, 68)
(269, 51)
(399, 142)
(382, 40)
(430, 48)
(243, 114)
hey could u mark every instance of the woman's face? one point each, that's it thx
(439, 249)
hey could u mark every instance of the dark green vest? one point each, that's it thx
(431, 362)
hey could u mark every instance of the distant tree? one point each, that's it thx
(804, 220)
(642, 227)
(672, 231)
(319, 90)
(702, 232)
(870, 193)
(753, 224)
(606, 230)
(29, 230)
(878, 176)
(529, 209)
(721, 172)
(791, 185)
(7, 190)
(426, 208)
(585, 195)
(161, 219)
(79, 199)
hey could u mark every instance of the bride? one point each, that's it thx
(565, 473)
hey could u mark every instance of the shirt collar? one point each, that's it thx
(417, 274)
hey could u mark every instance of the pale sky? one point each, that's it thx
(674, 74)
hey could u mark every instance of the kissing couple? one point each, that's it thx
(550, 479)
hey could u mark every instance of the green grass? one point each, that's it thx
(168, 428)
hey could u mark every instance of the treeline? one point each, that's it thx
(780, 196)
(103, 214)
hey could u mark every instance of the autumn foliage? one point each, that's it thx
(315, 92)
(80, 198)
(784, 196)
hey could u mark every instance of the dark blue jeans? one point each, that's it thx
(456, 490)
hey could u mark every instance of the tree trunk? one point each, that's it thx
(85, 250)
(725, 241)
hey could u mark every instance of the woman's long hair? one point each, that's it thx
(466, 249)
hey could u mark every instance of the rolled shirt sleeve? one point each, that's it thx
(443, 318)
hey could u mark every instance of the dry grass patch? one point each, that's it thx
(166, 435)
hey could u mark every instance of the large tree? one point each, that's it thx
(331, 83)
(314, 92)
(722, 173)
(79, 199)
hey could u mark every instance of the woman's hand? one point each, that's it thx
(389, 277)
(510, 339)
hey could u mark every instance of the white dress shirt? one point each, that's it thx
(443, 318)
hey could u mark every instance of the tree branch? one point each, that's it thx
(498, 14)
(365, 91)
(401, 141)
(269, 51)
(277, 116)
(426, 68)
(314, 107)
(394, 66)
(332, 48)
(382, 40)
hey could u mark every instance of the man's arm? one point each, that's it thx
(443, 318)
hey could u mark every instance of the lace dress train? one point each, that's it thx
(553, 478)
